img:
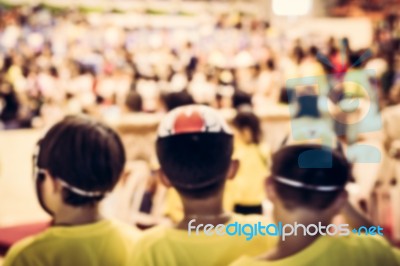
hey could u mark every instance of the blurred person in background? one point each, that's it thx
(310, 65)
(173, 100)
(268, 84)
(9, 106)
(388, 80)
(253, 155)
(356, 79)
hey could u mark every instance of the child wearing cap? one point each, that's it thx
(194, 149)
(307, 186)
(77, 163)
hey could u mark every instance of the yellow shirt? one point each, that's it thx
(352, 250)
(173, 205)
(105, 243)
(254, 166)
(169, 246)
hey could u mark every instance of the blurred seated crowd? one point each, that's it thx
(58, 63)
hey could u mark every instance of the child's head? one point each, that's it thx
(240, 99)
(194, 149)
(248, 126)
(79, 160)
(134, 102)
(173, 100)
(319, 191)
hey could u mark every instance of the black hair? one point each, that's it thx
(197, 163)
(287, 163)
(355, 59)
(286, 95)
(53, 71)
(134, 101)
(271, 64)
(85, 154)
(11, 102)
(177, 99)
(308, 106)
(313, 51)
(240, 98)
(247, 119)
(8, 61)
(298, 54)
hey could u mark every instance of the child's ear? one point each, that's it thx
(163, 178)
(125, 176)
(233, 168)
(270, 190)
(52, 183)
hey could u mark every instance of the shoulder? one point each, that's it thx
(396, 252)
(152, 246)
(24, 249)
(126, 231)
(374, 248)
(243, 261)
(153, 237)
(366, 242)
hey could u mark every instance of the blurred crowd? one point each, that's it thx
(58, 63)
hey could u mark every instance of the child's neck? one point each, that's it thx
(290, 246)
(208, 211)
(69, 215)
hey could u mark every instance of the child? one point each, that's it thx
(194, 149)
(310, 196)
(78, 162)
(254, 158)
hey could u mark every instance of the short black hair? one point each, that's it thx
(173, 100)
(286, 164)
(134, 101)
(196, 163)
(247, 119)
(84, 153)
(241, 98)
(313, 51)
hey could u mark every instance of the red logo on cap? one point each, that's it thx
(189, 122)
